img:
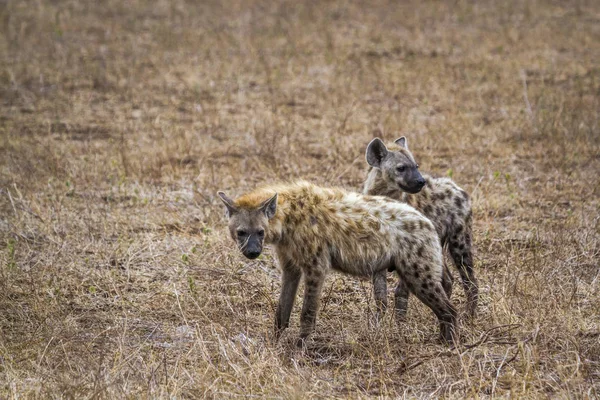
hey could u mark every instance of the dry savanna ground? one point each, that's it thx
(119, 121)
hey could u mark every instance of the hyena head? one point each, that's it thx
(248, 225)
(398, 166)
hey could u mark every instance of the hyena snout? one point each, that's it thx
(252, 248)
(414, 183)
(420, 182)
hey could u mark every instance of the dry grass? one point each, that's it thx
(120, 121)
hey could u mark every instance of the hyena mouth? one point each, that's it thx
(411, 189)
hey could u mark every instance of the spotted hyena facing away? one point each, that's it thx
(317, 229)
(394, 173)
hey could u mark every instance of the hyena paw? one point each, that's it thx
(301, 343)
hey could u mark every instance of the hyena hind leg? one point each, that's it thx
(431, 292)
(447, 280)
(460, 250)
(440, 304)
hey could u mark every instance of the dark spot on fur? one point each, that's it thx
(458, 230)
(311, 284)
(417, 274)
(437, 290)
(458, 201)
(425, 285)
(426, 268)
(313, 220)
(450, 220)
(428, 276)
(428, 209)
(420, 251)
(374, 225)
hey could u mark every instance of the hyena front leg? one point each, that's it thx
(290, 279)
(313, 284)
(380, 293)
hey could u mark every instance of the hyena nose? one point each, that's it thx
(252, 254)
(421, 181)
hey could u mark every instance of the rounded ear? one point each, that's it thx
(402, 142)
(269, 207)
(376, 152)
(231, 209)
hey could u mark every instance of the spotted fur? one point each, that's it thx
(439, 199)
(316, 229)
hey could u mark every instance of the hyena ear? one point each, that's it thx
(376, 152)
(228, 203)
(269, 207)
(402, 142)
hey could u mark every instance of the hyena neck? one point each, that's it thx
(375, 185)
(275, 234)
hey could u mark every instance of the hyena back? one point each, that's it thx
(394, 173)
(317, 229)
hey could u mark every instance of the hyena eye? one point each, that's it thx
(261, 233)
(241, 232)
(417, 166)
(401, 168)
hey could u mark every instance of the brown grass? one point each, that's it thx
(119, 122)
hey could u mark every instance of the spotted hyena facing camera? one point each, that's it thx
(315, 230)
